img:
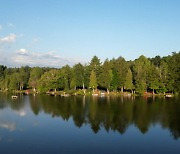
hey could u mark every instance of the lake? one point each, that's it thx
(54, 124)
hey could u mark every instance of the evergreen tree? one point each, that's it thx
(35, 75)
(14, 81)
(95, 65)
(68, 74)
(93, 80)
(129, 81)
(121, 68)
(2, 75)
(78, 74)
(153, 74)
(49, 81)
(105, 75)
(156, 61)
(73, 84)
(141, 71)
(154, 78)
(163, 82)
(24, 73)
(87, 73)
(174, 72)
(114, 81)
(2, 69)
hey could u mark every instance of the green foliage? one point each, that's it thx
(2, 75)
(163, 80)
(73, 84)
(14, 81)
(87, 74)
(78, 75)
(143, 74)
(105, 75)
(93, 80)
(154, 78)
(49, 81)
(2, 70)
(121, 67)
(174, 72)
(68, 76)
(24, 77)
(80, 92)
(141, 71)
(156, 61)
(114, 81)
(35, 75)
(95, 65)
(129, 80)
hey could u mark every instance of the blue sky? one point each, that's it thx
(56, 32)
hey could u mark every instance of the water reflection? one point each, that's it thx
(11, 126)
(110, 113)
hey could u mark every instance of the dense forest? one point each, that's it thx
(154, 75)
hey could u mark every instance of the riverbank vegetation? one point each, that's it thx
(158, 75)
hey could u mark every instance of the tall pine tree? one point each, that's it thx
(93, 80)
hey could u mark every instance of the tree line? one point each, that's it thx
(155, 75)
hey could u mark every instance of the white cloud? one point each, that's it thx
(21, 113)
(51, 59)
(8, 39)
(10, 25)
(34, 40)
(22, 52)
(8, 125)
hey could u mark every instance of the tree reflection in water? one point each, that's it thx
(110, 113)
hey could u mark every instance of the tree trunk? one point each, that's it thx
(83, 85)
(107, 90)
(83, 88)
(153, 91)
(19, 86)
(122, 89)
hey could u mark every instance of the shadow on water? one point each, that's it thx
(110, 113)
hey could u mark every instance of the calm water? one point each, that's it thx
(48, 124)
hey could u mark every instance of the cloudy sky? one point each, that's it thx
(59, 32)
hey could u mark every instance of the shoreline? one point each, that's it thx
(89, 93)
